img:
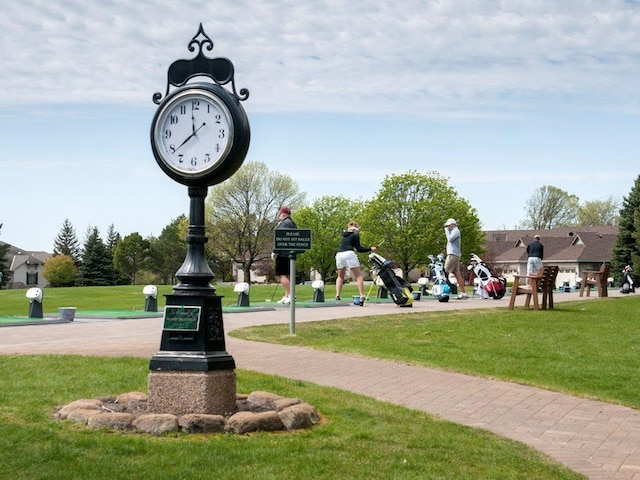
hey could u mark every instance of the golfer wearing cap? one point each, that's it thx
(452, 262)
(535, 252)
(283, 264)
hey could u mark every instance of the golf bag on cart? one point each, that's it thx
(490, 285)
(627, 281)
(440, 289)
(399, 289)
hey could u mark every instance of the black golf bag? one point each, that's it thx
(627, 281)
(399, 289)
(490, 285)
(441, 288)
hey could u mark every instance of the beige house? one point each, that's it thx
(573, 249)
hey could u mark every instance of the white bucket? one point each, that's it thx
(67, 313)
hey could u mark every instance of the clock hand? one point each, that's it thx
(189, 137)
(196, 130)
(185, 141)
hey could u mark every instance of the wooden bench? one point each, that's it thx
(542, 282)
(597, 278)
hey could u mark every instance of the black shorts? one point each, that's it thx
(283, 265)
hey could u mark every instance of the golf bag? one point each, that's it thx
(490, 285)
(440, 289)
(399, 289)
(627, 281)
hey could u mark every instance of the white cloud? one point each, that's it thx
(334, 55)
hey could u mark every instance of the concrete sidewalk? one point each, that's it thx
(597, 439)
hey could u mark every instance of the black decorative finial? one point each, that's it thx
(219, 69)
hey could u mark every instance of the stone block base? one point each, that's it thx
(182, 392)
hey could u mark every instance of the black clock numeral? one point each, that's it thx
(180, 158)
(207, 158)
(167, 134)
(173, 119)
(172, 148)
(218, 118)
(183, 109)
(194, 161)
(218, 148)
(222, 133)
(195, 105)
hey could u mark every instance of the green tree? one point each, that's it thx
(408, 214)
(168, 251)
(60, 271)
(4, 262)
(66, 243)
(599, 212)
(327, 217)
(550, 207)
(242, 213)
(113, 238)
(130, 255)
(626, 250)
(96, 268)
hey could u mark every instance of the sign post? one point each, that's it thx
(295, 240)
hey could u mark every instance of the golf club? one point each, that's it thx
(273, 294)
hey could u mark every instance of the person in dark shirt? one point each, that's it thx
(535, 252)
(283, 264)
(347, 258)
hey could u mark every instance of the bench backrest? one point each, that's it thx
(548, 274)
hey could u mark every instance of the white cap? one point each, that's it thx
(450, 221)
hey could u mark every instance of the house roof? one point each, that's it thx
(566, 244)
(18, 257)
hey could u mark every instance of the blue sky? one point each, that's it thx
(500, 97)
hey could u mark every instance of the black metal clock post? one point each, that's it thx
(192, 372)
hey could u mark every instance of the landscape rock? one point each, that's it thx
(247, 422)
(298, 416)
(86, 404)
(202, 423)
(115, 421)
(156, 423)
(82, 415)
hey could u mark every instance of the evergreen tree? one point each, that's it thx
(113, 238)
(4, 263)
(627, 248)
(97, 264)
(66, 243)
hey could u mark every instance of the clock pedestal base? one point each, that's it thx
(180, 392)
(192, 372)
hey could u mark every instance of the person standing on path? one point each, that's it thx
(347, 258)
(535, 252)
(281, 257)
(452, 262)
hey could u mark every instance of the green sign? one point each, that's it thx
(179, 317)
(292, 239)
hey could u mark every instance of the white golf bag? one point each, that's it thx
(489, 286)
(440, 288)
(627, 281)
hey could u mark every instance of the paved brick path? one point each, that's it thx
(597, 439)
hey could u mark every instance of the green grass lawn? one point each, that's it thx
(130, 297)
(588, 348)
(359, 437)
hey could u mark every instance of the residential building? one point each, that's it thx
(573, 249)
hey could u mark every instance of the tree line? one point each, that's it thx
(404, 218)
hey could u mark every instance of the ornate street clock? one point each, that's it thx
(199, 137)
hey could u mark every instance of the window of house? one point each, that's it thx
(32, 278)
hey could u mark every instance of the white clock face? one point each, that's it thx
(194, 132)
